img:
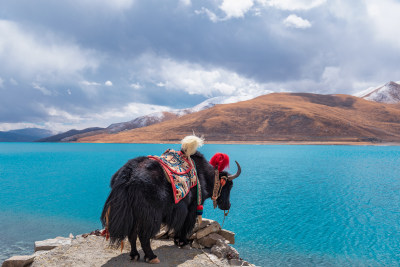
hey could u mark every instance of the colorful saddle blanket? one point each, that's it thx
(180, 171)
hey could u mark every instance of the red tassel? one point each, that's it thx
(220, 159)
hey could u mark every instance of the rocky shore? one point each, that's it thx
(210, 246)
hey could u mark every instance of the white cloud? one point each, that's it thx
(42, 89)
(239, 8)
(211, 15)
(236, 8)
(91, 89)
(333, 79)
(69, 91)
(108, 83)
(44, 54)
(185, 2)
(60, 120)
(294, 4)
(385, 19)
(231, 8)
(128, 112)
(87, 83)
(18, 125)
(196, 79)
(113, 5)
(59, 115)
(13, 81)
(136, 86)
(293, 21)
(161, 84)
(1, 82)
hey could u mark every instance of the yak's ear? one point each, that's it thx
(191, 143)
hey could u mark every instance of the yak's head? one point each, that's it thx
(223, 201)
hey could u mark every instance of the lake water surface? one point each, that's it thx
(292, 205)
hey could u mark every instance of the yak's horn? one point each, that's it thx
(231, 177)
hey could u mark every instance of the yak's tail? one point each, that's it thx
(117, 216)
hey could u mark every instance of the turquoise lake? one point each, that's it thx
(292, 205)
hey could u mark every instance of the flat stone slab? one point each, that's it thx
(18, 261)
(210, 240)
(212, 228)
(228, 235)
(95, 251)
(49, 244)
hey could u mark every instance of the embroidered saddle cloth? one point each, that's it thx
(179, 170)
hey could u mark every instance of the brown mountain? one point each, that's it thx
(277, 117)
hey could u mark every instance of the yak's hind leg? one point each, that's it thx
(135, 256)
(181, 236)
(148, 228)
(148, 252)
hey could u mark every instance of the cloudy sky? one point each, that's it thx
(81, 63)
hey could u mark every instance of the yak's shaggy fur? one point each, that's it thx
(141, 199)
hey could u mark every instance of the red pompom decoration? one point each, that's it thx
(221, 160)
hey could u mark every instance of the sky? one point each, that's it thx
(84, 63)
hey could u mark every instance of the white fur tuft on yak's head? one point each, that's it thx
(191, 143)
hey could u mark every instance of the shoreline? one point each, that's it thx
(322, 143)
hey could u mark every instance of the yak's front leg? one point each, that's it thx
(181, 237)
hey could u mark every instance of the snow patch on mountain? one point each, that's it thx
(388, 93)
(141, 121)
(209, 103)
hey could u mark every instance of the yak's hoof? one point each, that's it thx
(135, 257)
(180, 243)
(153, 261)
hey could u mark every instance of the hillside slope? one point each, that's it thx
(277, 117)
(143, 121)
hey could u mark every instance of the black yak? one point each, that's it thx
(141, 199)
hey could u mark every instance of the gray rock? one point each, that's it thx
(228, 235)
(210, 240)
(193, 236)
(79, 238)
(196, 244)
(212, 228)
(223, 250)
(40, 252)
(238, 262)
(204, 224)
(52, 243)
(18, 261)
(162, 233)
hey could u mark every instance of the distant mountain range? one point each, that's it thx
(332, 127)
(24, 135)
(277, 117)
(65, 135)
(142, 121)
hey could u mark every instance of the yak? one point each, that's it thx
(141, 199)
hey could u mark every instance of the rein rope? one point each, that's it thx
(218, 184)
(199, 209)
(225, 215)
